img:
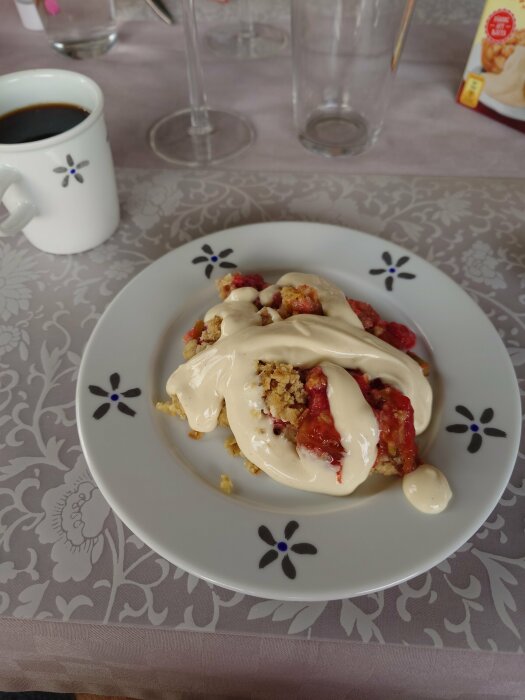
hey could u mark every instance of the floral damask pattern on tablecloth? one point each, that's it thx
(64, 555)
(75, 513)
(481, 266)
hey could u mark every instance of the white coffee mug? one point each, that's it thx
(60, 191)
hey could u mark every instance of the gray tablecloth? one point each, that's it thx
(96, 610)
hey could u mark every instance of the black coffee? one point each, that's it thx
(38, 122)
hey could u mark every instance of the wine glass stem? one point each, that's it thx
(200, 122)
(246, 21)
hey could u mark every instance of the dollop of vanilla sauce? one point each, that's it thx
(427, 489)
(227, 370)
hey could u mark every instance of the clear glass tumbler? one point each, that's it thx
(344, 54)
(79, 28)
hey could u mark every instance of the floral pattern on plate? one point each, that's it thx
(284, 547)
(115, 397)
(475, 427)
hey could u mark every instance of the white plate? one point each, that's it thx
(164, 486)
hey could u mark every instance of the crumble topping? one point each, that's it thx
(284, 392)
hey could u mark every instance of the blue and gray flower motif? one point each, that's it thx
(71, 170)
(475, 428)
(279, 547)
(211, 259)
(392, 270)
(114, 396)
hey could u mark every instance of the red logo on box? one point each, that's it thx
(500, 25)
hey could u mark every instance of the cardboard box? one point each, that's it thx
(494, 78)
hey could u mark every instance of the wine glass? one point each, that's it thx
(247, 38)
(199, 136)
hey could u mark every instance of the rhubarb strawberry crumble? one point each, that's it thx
(317, 389)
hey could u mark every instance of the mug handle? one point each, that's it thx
(24, 211)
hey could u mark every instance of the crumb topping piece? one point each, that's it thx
(284, 391)
(173, 407)
(226, 484)
(233, 448)
(201, 335)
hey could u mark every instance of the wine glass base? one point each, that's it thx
(229, 41)
(172, 140)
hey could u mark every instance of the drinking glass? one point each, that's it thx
(77, 28)
(247, 38)
(198, 135)
(344, 58)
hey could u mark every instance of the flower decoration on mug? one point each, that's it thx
(71, 170)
